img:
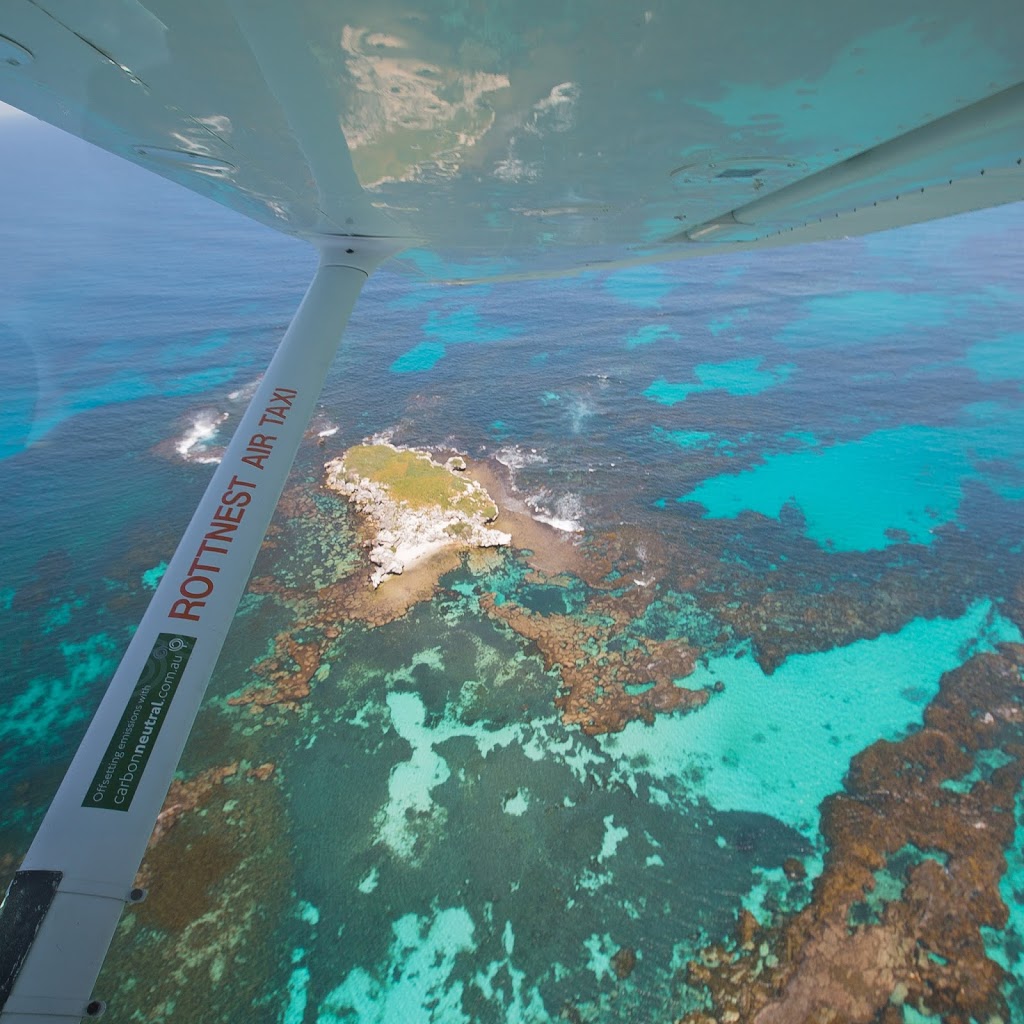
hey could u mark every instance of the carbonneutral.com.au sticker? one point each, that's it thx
(117, 778)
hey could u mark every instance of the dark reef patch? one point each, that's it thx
(219, 877)
(911, 877)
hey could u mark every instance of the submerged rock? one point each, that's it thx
(624, 962)
(414, 506)
(607, 682)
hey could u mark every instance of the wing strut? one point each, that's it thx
(60, 912)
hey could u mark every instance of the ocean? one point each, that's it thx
(754, 749)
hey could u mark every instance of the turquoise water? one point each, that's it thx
(759, 747)
(855, 495)
(442, 330)
(738, 377)
(806, 468)
(998, 359)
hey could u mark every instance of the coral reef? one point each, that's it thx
(624, 962)
(613, 670)
(288, 673)
(609, 679)
(779, 591)
(217, 869)
(791, 617)
(915, 856)
(182, 797)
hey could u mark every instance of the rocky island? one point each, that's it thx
(415, 507)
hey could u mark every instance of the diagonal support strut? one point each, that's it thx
(94, 835)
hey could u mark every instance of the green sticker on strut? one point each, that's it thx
(118, 776)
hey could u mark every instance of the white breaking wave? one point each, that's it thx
(381, 437)
(566, 512)
(201, 440)
(566, 525)
(321, 426)
(246, 391)
(514, 457)
(193, 445)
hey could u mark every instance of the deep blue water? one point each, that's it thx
(818, 419)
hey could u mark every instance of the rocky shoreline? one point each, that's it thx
(416, 507)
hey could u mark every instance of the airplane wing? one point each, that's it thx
(486, 139)
(538, 137)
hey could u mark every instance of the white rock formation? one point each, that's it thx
(406, 535)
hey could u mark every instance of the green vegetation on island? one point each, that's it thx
(414, 478)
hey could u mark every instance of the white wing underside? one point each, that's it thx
(522, 138)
